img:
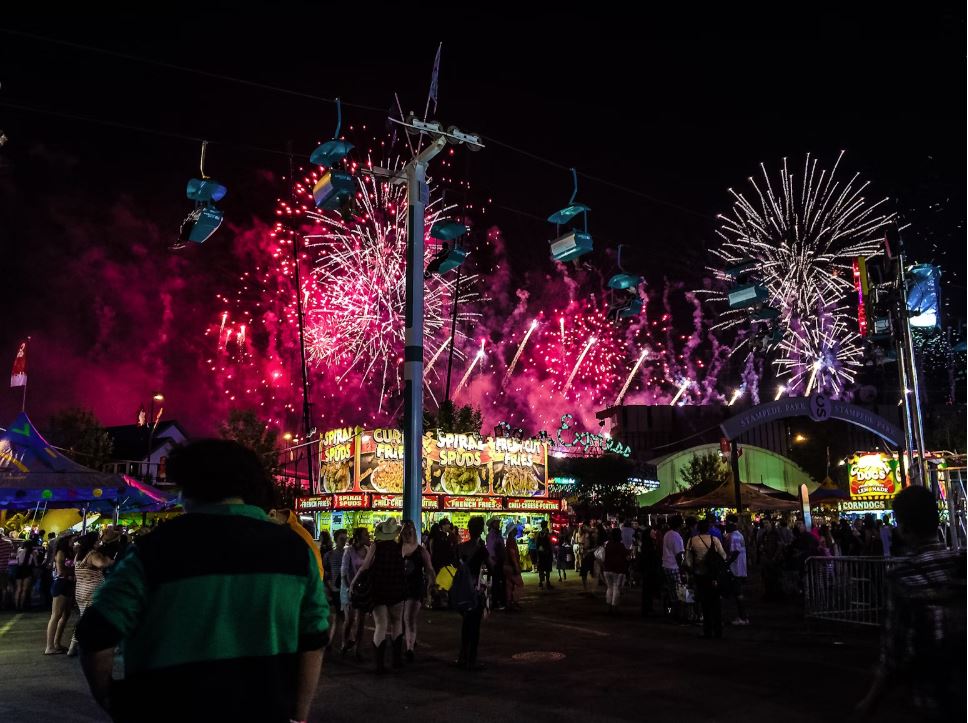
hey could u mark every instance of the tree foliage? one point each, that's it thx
(466, 419)
(601, 483)
(248, 429)
(79, 433)
(704, 474)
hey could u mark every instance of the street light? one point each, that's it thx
(152, 423)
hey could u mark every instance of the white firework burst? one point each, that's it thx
(356, 292)
(802, 237)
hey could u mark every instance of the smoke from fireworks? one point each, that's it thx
(550, 346)
(800, 238)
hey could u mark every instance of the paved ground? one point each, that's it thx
(619, 668)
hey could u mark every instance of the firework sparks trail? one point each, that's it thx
(561, 325)
(581, 358)
(221, 328)
(467, 374)
(736, 395)
(803, 242)
(433, 359)
(517, 354)
(682, 389)
(628, 381)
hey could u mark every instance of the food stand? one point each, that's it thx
(361, 479)
(874, 480)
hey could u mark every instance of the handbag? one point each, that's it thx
(361, 596)
(600, 553)
(445, 577)
(684, 594)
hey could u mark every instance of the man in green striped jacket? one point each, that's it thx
(220, 613)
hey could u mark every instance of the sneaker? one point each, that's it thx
(737, 621)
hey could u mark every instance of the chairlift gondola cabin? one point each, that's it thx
(450, 231)
(624, 281)
(747, 295)
(335, 187)
(631, 309)
(766, 313)
(740, 268)
(205, 219)
(573, 243)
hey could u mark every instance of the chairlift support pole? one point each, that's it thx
(418, 195)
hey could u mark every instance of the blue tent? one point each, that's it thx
(33, 473)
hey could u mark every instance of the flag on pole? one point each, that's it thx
(434, 78)
(18, 375)
(142, 416)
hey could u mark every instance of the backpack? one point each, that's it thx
(713, 565)
(463, 596)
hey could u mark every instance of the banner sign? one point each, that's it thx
(871, 474)
(318, 503)
(473, 503)
(530, 504)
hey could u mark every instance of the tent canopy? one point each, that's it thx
(828, 493)
(725, 496)
(32, 473)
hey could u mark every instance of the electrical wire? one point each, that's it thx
(310, 96)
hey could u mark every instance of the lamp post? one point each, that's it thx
(156, 397)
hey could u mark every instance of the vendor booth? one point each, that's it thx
(361, 479)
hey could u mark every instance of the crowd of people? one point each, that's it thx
(689, 566)
(62, 572)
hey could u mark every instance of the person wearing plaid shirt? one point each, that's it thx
(922, 642)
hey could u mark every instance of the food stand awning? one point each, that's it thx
(725, 496)
(33, 473)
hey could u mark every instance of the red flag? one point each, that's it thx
(18, 375)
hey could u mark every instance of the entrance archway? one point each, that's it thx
(820, 409)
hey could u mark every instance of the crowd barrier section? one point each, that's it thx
(846, 589)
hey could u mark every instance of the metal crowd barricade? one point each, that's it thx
(846, 589)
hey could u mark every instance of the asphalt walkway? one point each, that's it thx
(562, 659)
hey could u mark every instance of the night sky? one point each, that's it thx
(673, 110)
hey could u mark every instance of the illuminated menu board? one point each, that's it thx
(337, 459)
(520, 467)
(457, 465)
(381, 461)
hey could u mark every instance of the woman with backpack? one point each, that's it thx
(706, 559)
(473, 557)
(384, 561)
